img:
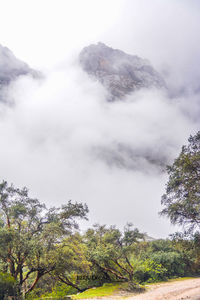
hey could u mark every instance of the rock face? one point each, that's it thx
(120, 73)
(11, 67)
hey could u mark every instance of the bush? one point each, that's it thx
(149, 271)
(172, 261)
(8, 286)
(60, 291)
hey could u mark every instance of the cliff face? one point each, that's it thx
(120, 73)
(11, 67)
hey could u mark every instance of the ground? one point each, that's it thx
(173, 290)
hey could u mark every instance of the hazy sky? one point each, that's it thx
(51, 138)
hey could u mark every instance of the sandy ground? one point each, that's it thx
(177, 290)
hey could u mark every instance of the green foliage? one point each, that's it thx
(189, 247)
(182, 198)
(8, 286)
(165, 253)
(177, 257)
(46, 256)
(149, 271)
(110, 250)
(173, 262)
(71, 262)
(30, 234)
(59, 291)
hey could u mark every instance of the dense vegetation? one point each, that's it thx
(42, 252)
(182, 197)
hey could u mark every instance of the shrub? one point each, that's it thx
(172, 261)
(8, 286)
(149, 271)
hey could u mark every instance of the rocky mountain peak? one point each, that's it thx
(11, 67)
(120, 73)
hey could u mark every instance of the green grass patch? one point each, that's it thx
(110, 289)
(107, 289)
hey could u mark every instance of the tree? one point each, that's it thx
(110, 251)
(72, 262)
(30, 234)
(188, 244)
(182, 198)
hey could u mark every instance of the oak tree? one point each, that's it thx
(30, 234)
(181, 200)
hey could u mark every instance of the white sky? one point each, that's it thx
(46, 138)
(44, 31)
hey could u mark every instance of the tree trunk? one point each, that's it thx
(39, 275)
(68, 282)
(11, 265)
(102, 270)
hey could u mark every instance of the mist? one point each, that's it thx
(63, 140)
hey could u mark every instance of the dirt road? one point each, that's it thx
(188, 289)
(177, 290)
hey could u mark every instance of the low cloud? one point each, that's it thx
(63, 140)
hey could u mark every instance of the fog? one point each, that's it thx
(63, 140)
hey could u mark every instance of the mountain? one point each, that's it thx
(120, 73)
(11, 68)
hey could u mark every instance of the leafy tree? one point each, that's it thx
(182, 198)
(72, 262)
(30, 234)
(176, 257)
(188, 245)
(110, 251)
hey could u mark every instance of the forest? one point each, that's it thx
(44, 254)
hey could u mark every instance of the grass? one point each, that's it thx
(111, 289)
(107, 289)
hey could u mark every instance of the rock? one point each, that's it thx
(120, 73)
(11, 67)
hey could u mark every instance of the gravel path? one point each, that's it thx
(177, 290)
(188, 289)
